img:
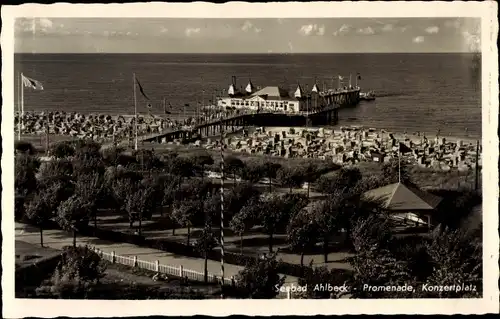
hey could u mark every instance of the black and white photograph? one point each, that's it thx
(208, 155)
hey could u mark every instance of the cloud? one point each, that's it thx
(312, 29)
(280, 20)
(345, 28)
(452, 24)
(32, 25)
(190, 31)
(248, 26)
(387, 27)
(366, 31)
(404, 28)
(432, 30)
(45, 23)
(472, 41)
(418, 39)
(163, 30)
(321, 30)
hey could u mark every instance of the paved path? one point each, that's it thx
(57, 239)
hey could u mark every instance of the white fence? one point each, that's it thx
(177, 271)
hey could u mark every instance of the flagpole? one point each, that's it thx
(350, 80)
(399, 161)
(22, 108)
(135, 113)
(19, 84)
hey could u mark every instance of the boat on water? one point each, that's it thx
(367, 96)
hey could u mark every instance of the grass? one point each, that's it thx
(138, 284)
(27, 254)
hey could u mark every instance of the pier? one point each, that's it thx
(322, 109)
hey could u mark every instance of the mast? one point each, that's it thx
(22, 107)
(20, 84)
(222, 198)
(476, 179)
(135, 113)
(399, 161)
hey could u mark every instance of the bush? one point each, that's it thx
(24, 147)
(75, 276)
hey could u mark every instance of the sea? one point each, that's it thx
(423, 93)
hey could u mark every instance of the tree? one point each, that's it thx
(25, 174)
(234, 165)
(73, 214)
(121, 190)
(273, 216)
(320, 276)
(290, 177)
(90, 188)
(260, 279)
(201, 161)
(205, 244)
(253, 172)
(140, 204)
(302, 233)
(456, 258)
(170, 183)
(185, 213)
(326, 223)
(391, 172)
(270, 171)
(40, 209)
(78, 272)
(183, 167)
(310, 175)
(374, 263)
(62, 150)
(24, 147)
(243, 221)
(86, 149)
(344, 181)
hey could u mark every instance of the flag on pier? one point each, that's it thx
(141, 89)
(341, 77)
(358, 76)
(31, 83)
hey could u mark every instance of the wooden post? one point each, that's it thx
(113, 256)
(135, 261)
(181, 272)
(157, 265)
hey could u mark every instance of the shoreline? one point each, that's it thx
(399, 135)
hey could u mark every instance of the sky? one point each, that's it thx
(265, 35)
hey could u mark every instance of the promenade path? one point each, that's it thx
(57, 239)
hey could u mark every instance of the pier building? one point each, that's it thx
(278, 100)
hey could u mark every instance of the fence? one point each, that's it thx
(177, 271)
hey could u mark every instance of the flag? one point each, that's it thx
(29, 82)
(141, 89)
(341, 78)
(150, 106)
(359, 76)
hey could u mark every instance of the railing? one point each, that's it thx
(177, 271)
(164, 269)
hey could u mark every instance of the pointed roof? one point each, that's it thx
(231, 90)
(272, 91)
(401, 197)
(249, 88)
(298, 92)
(315, 88)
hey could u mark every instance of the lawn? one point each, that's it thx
(27, 254)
